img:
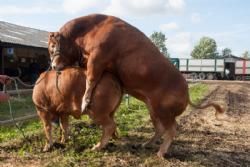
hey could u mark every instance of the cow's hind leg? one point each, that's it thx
(108, 130)
(159, 131)
(168, 137)
(64, 124)
(115, 135)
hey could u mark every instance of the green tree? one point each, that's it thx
(206, 49)
(159, 39)
(246, 55)
(226, 52)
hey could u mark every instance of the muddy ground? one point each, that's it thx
(201, 139)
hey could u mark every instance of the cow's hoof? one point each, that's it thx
(161, 155)
(47, 148)
(84, 106)
(97, 147)
(64, 140)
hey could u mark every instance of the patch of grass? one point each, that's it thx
(197, 92)
(131, 116)
(11, 132)
(20, 107)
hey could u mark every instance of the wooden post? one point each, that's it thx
(127, 100)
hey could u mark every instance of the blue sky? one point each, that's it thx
(184, 22)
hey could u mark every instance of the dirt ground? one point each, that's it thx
(201, 139)
(212, 142)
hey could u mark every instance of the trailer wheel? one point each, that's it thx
(239, 78)
(194, 76)
(202, 76)
(210, 76)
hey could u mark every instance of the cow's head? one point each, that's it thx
(62, 52)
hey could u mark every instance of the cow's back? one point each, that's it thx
(61, 97)
(134, 54)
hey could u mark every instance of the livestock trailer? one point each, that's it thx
(203, 68)
(242, 70)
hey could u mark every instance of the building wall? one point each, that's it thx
(25, 56)
(24, 61)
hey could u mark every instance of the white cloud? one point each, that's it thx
(195, 18)
(14, 10)
(220, 48)
(74, 6)
(235, 34)
(176, 4)
(169, 27)
(231, 37)
(144, 7)
(180, 45)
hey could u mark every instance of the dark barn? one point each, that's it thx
(23, 51)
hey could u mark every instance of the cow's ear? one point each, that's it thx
(51, 34)
(58, 37)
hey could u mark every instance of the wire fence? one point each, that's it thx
(20, 106)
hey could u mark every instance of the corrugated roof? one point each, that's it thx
(15, 34)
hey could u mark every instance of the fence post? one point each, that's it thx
(127, 100)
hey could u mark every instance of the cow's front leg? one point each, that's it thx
(64, 125)
(87, 95)
(95, 67)
(45, 116)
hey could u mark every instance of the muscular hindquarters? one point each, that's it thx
(168, 103)
(106, 99)
(153, 80)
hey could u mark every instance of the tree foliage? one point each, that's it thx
(246, 55)
(159, 39)
(226, 52)
(206, 49)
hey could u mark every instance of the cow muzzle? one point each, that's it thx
(55, 63)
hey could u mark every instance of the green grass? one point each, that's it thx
(197, 92)
(20, 107)
(134, 127)
(11, 132)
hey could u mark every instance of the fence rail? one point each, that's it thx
(19, 119)
(20, 91)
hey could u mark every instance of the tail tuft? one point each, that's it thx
(219, 110)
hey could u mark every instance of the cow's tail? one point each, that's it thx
(219, 111)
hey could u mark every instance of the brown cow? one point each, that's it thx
(52, 104)
(109, 43)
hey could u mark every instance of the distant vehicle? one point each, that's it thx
(212, 69)
(242, 70)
